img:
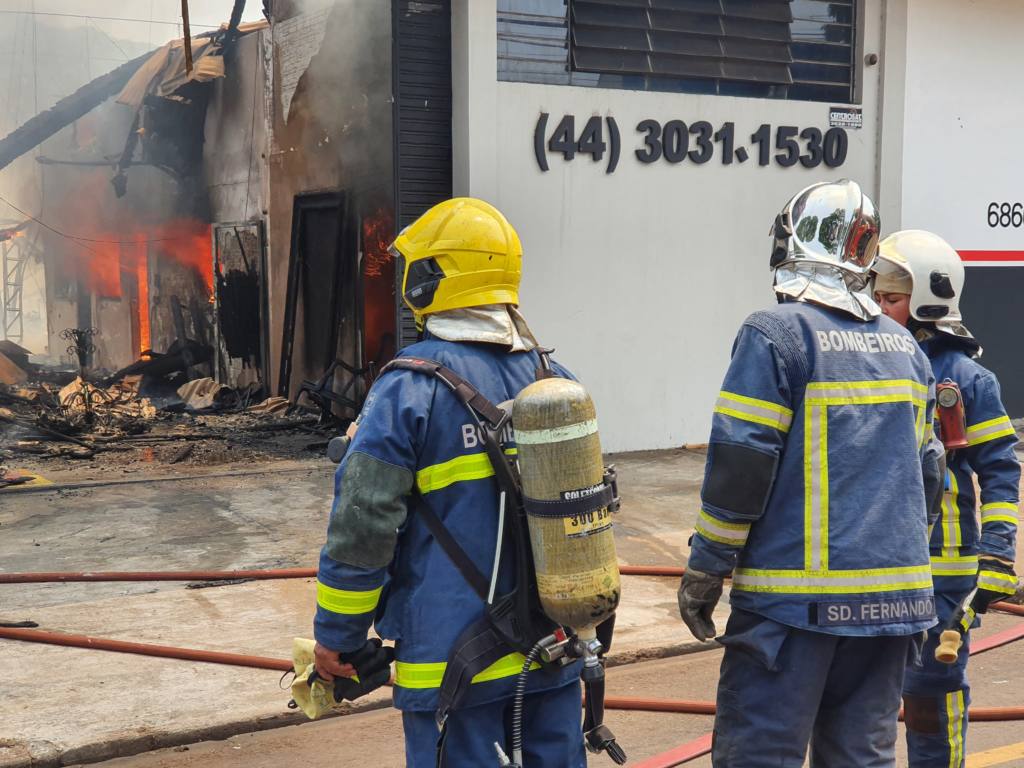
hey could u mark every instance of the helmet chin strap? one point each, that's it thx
(920, 329)
(928, 331)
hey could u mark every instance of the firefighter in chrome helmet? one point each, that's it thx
(414, 452)
(919, 281)
(824, 535)
(825, 241)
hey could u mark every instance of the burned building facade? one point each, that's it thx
(299, 170)
(246, 207)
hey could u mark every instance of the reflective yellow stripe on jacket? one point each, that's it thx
(429, 674)
(992, 429)
(999, 512)
(474, 466)
(827, 582)
(951, 563)
(952, 536)
(820, 396)
(816, 577)
(867, 392)
(757, 411)
(968, 619)
(346, 601)
(733, 534)
(996, 581)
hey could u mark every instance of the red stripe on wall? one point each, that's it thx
(992, 255)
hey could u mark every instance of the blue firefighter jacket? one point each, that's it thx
(814, 494)
(415, 426)
(957, 539)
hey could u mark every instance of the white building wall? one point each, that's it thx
(640, 279)
(962, 125)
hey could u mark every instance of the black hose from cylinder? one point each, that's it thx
(520, 693)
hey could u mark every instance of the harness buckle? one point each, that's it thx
(611, 479)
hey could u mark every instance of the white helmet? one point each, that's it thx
(932, 270)
(824, 244)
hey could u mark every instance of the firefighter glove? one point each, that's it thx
(698, 595)
(314, 696)
(996, 581)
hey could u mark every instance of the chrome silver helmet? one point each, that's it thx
(824, 244)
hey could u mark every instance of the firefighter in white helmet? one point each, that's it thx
(824, 535)
(919, 281)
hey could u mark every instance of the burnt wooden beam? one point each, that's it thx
(235, 20)
(187, 37)
(44, 125)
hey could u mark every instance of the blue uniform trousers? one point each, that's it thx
(552, 733)
(782, 687)
(939, 694)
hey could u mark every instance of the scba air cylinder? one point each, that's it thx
(560, 461)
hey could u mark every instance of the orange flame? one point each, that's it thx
(142, 275)
(378, 232)
(119, 256)
(119, 259)
(187, 241)
(378, 286)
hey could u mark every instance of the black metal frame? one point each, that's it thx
(324, 396)
(264, 319)
(296, 266)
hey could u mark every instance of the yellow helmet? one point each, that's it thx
(460, 253)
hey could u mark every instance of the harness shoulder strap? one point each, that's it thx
(481, 409)
(462, 562)
(510, 622)
(467, 394)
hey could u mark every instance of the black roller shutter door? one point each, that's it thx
(422, 77)
(992, 311)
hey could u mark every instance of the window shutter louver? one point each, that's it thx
(796, 49)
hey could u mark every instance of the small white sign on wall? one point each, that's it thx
(846, 117)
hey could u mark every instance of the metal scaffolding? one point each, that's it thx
(16, 253)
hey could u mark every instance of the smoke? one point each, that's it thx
(68, 55)
(92, 242)
(107, 256)
(344, 94)
(95, 225)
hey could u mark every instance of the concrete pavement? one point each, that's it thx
(61, 706)
(102, 705)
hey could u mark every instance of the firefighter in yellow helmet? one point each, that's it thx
(411, 539)
(461, 253)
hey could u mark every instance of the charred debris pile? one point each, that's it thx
(161, 409)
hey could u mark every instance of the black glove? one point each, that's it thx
(698, 595)
(373, 668)
(996, 581)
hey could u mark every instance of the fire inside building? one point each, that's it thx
(233, 212)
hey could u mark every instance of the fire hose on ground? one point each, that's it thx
(253, 574)
(64, 577)
(674, 757)
(676, 706)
